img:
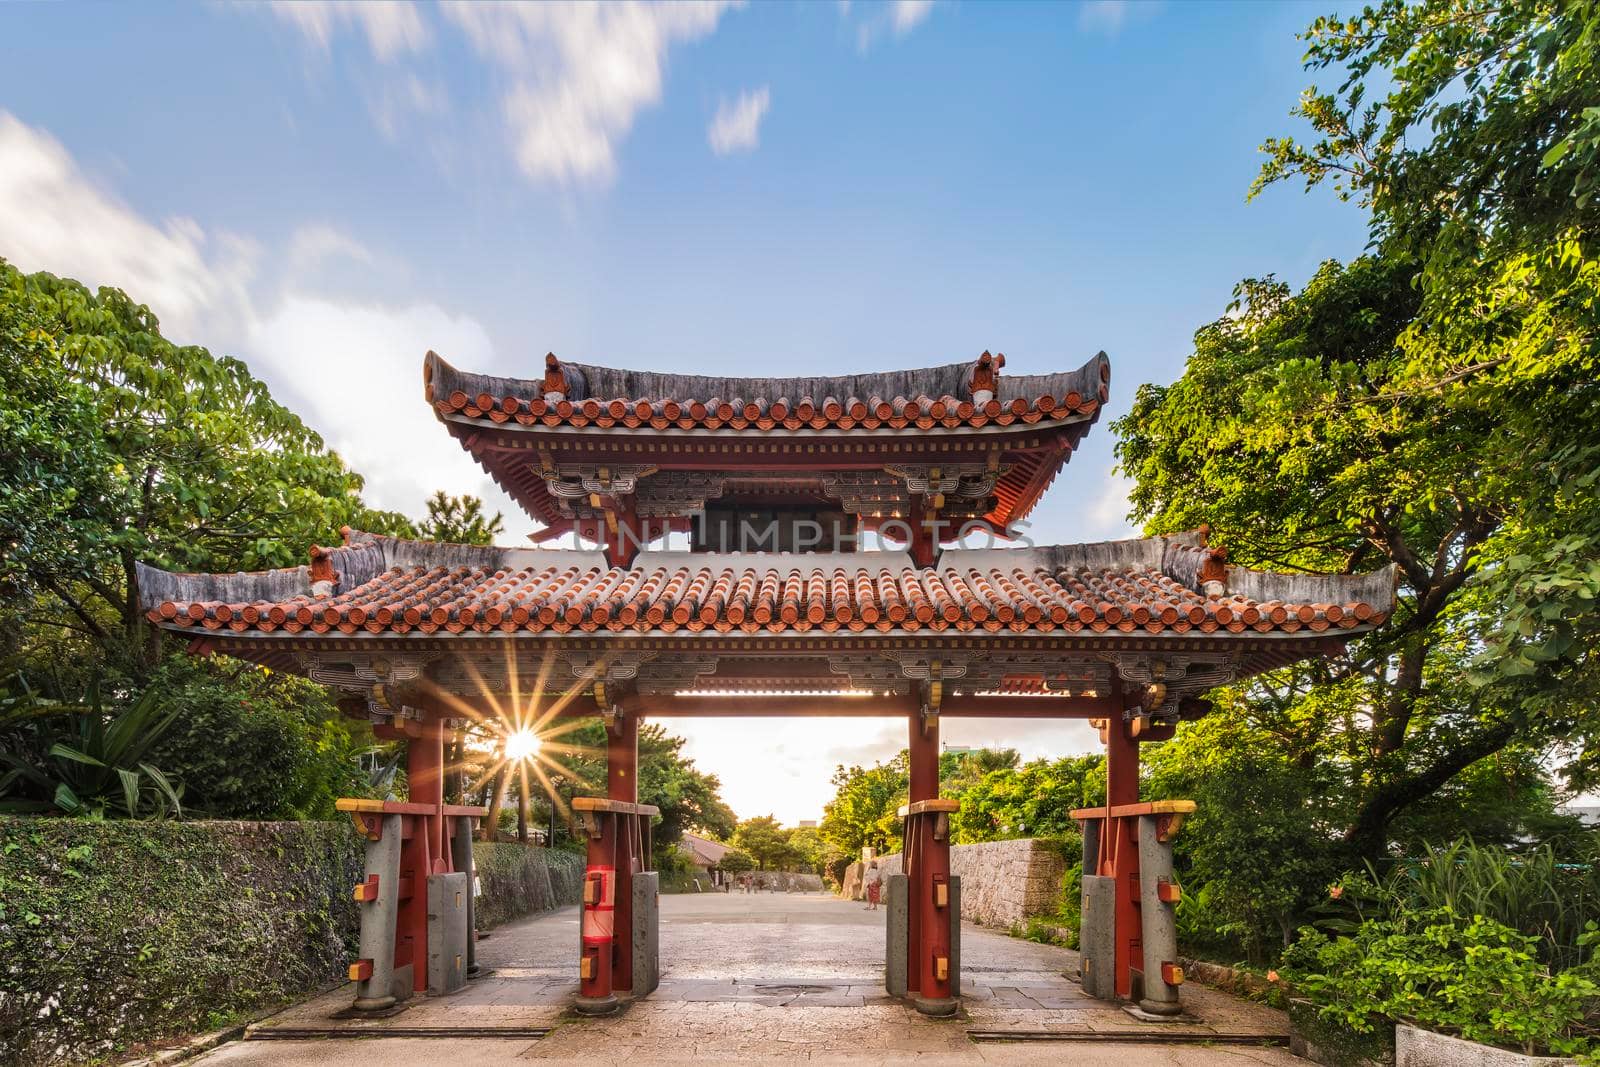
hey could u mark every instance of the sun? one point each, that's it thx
(521, 745)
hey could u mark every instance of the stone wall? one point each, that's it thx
(1002, 882)
(120, 932)
(519, 880)
(780, 881)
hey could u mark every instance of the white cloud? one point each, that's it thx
(577, 74)
(571, 76)
(312, 246)
(52, 217)
(396, 100)
(352, 370)
(906, 14)
(1110, 17)
(1107, 518)
(392, 27)
(737, 125)
(898, 18)
(357, 370)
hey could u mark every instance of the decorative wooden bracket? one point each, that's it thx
(930, 710)
(1154, 697)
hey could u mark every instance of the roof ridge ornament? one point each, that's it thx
(985, 381)
(555, 380)
(1212, 574)
(324, 579)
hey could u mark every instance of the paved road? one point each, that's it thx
(759, 978)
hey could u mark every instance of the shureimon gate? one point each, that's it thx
(776, 608)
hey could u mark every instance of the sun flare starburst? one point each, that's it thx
(522, 744)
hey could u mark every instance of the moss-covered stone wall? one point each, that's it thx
(115, 933)
(513, 886)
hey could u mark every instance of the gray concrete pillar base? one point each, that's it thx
(1137, 1011)
(938, 1007)
(1164, 1009)
(605, 1005)
(370, 1004)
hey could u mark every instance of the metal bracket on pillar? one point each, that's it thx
(610, 715)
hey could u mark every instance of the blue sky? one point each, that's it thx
(330, 190)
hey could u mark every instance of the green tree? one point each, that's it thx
(459, 520)
(735, 862)
(958, 770)
(256, 744)
(1264, 840)
(862, 813)
(765, 841)
(121, 447)
(811, 850)
(1432, 405)
(56, 484)
(190, 464)
(1034, 800)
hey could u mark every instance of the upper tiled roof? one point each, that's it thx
(383, 585)
(580, 394)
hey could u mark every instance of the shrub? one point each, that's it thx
(256, 744)
(1531, 892)
(1473, 977)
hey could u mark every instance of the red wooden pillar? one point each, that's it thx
(927, 868)
(595, 996)
(422, 854)
(622, 783)
(1119, 848)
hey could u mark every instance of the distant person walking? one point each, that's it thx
(874, 887)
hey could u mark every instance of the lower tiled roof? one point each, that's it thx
(381, 585)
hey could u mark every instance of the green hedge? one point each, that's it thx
(115, 933)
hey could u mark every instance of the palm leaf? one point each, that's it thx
(23, 769)
(130, 791)
(164, 786)
(61, 751)
(67, 800)
(127, 728)
(94, 721)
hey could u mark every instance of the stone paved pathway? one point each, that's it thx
(760, 978)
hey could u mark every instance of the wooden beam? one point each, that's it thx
(617, 807)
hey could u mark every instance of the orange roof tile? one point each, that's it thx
(924, 399)
(390, 586)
